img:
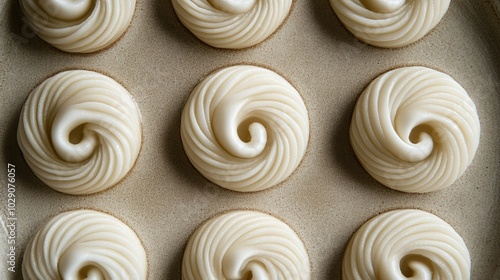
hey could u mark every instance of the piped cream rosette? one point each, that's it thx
(232, 24)
(390, 23)
(85, 244)
(80, 26)
(245, 128)
(80, 132)
(406, 244)
(245, 245)
(415, 129)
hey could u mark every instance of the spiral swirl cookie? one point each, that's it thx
(390, 23)
(85, 244)
(232, 24)
(80, 132)
(245, 245)
(406, 244)
(245, 128)
(415, 129)
(81, 26)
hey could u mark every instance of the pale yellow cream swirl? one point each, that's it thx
(390, 23)
(406, 244)
(415, 129)
(245, 128)
(80, 132)
(245, 245)
(80, 26)
(85, 244)
(232, 24)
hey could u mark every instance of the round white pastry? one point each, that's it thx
(232, 24)
(406, 244)
(80, 26)
(390, 23)
(85, 244)
(245, 245)
(80, 132)
(245, 128)
(415, 129)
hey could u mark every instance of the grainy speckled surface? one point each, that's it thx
(164, 198)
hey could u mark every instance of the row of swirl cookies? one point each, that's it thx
(246, 128)
(242, 244)
(88, 26)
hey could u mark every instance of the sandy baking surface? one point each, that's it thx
(164, 198)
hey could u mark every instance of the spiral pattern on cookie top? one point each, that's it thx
(245, 245)
(85, 244)
(232, 24)
(80, 132)
(415, 129)
(390, 23)
(80, 26)
(406, 244)
(245, 128)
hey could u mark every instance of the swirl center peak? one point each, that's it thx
(233, 6)
(383, 6)
(67, 10)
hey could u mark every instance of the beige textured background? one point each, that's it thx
(164, 198)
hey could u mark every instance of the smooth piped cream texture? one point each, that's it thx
(415, 129)
(406, 244)
(245, 245)
(80, 26)
(232, 24)
(390, 23)
(80, 132)
(85, 244)
(245, 128)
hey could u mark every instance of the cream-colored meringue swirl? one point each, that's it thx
(245, 245)
(245, 128)
(406, 244)
(232, 24)
(80, 26)
(390, 23)
(415, 129)
(80, 132)
(85, 244)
